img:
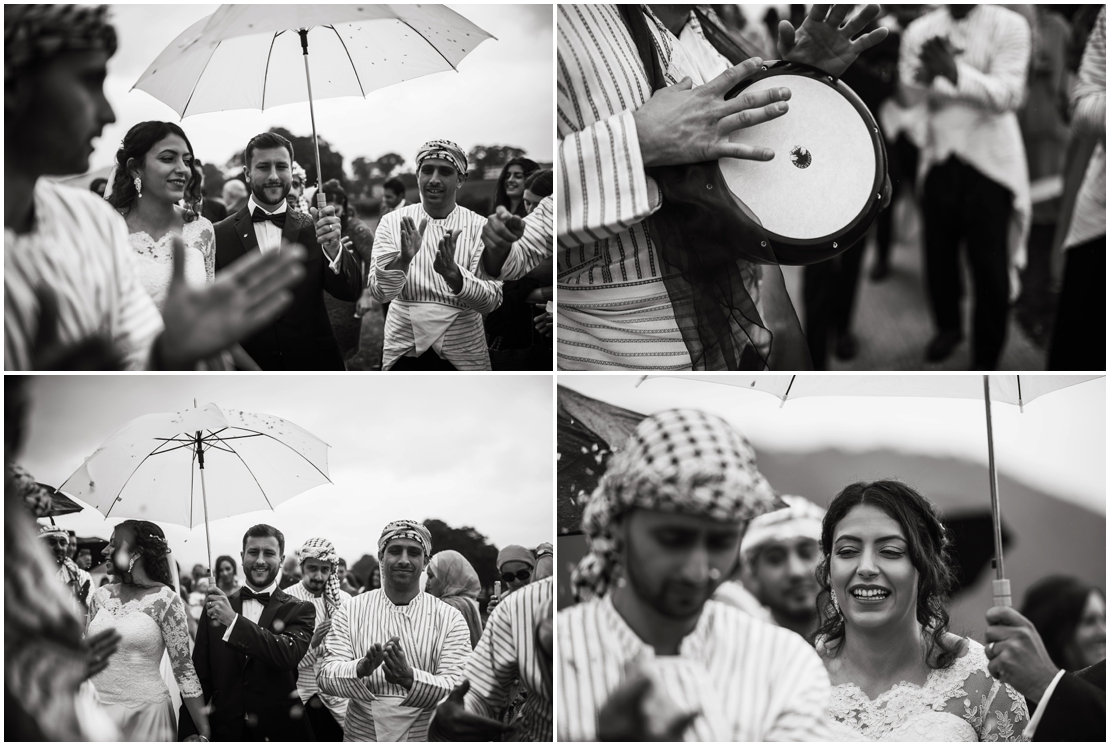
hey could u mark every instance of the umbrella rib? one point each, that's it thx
(266, 74)
(349, 59)
(291, 448)
(244, 463)
(433, 46)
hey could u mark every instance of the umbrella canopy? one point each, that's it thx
(250, 56)
(60, 504)
(1008, 389)
(150, 469)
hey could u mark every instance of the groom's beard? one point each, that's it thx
(258, 190)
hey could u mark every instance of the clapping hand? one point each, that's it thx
(245, 297)
(218, 606)
(938, 59)
(444, 263)
(397, 668)
(102, 646)
(411, 238)
(320, 633)
(453, 722)
(328, 229)
(821, 40)
(636, 712)
(370, 662)
(501, 231)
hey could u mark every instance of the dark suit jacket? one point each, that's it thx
(1077, 709)
(213, 210)
(250, 680)
(301, 338)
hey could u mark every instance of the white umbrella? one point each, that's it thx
(245, 56)
(154, 468)
(1010, 389)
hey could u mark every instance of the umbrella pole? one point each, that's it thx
(1001, 585)
(204, 501)
(320, 200)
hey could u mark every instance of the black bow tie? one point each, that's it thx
(260, 216)
(247, 594)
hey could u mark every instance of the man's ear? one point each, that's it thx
(463, 178)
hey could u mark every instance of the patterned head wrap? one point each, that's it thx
(37, 33)
(298, 170)
(679, 461)
(38, 499)
(69, 570)
(444, 149)
(324, 551)
(799, 519)
(417, 532)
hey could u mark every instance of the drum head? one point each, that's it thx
(822, 186)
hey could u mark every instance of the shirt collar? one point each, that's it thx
(252, 206)
(268, 589)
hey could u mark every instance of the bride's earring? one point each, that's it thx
(131, 564)
(835, 604)
(138, 187)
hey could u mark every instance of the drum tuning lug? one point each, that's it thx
(834, 244)
(708, 186)
(763, 244)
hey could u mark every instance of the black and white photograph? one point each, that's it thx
(831, 558)
(751, 187)
(277, 187)
(278, 558)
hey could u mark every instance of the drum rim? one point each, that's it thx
(859, 225)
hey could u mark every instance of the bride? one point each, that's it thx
(154, 172)
(150, 618)
(898, 674)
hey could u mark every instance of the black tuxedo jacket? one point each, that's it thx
(301, 338)
(250, 680)
(1077, 709)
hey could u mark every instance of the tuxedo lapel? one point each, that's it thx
(292, 230)
(236, 599)
(244, 231)
(268, 613)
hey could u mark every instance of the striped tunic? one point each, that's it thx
(613, 308)
(751, 681)
(534, 246)
(436, 642)
(1089, 116)
(508, 651)
(421, 304)
(79, 249)
(310, 664)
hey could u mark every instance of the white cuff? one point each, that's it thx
(1033, 721)
(333, 264)
(227, 634)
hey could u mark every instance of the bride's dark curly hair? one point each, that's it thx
(152, 548)
(929, 547)
(136, 144)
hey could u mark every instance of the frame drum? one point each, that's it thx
(823, 189)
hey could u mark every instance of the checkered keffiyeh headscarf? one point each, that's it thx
(444, 149)
(417, 532)
(36, 33)
(679, 461)
(324, 551)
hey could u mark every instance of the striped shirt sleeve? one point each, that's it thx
(534, 246)
(1089, 96)
(338, 675)
(430, 687)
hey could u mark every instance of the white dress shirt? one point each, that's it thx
(269, 235)
(252, 609)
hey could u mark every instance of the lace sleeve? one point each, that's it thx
(94, 606)
(995, 710)
(207, 246)
(175, 634)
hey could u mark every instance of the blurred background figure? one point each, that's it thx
(290, 571)
(227, 574)
(235, 195)
(515, 566)
(1070, 616)
(359, 241)
(452, 579)
(212, 209)
(393, 195)
(296, 196)
(509, 192)
(347, 581)
(97, 186)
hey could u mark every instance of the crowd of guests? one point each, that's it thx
(711, 609)
(152, 273)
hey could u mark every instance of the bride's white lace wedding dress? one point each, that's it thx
(960, 703)
(154, 259)
(131, 688)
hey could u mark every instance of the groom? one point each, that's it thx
(301, 338)
(247, 651)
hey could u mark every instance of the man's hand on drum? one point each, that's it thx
(825, 39)
(683, 124)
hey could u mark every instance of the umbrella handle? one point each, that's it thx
(1001, 590)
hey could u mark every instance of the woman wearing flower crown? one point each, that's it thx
(150, 618)
(898, 674)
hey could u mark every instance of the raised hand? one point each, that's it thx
(397, 668)
(682, 124)
(821, 40)
(328, 229)
(634, 712)
(102, 646)
(444, 262)
(1017, 653)
(500, 232)
(411, 238)
(96, 352)
(453, 722)
(370, 662)
(245, 297)
(320, 633)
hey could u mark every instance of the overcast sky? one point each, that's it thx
(1057, 445)
(502, 93)
(469, 450)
